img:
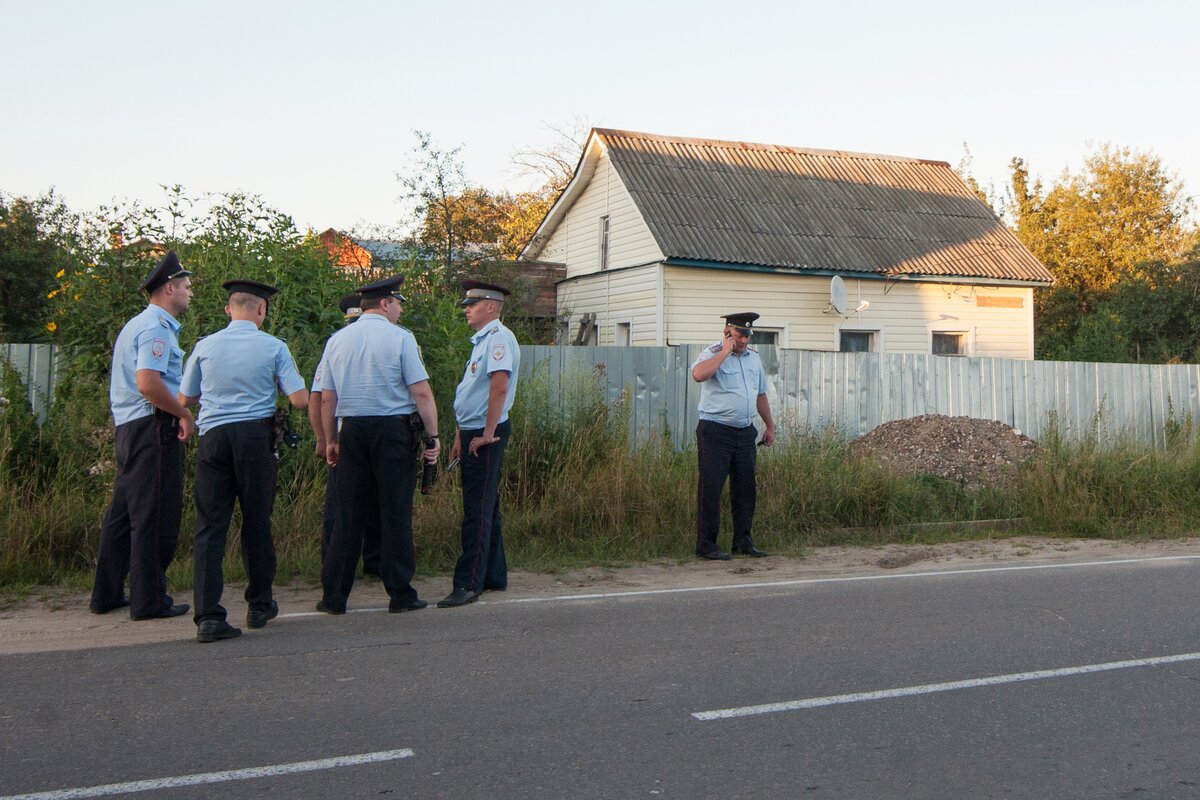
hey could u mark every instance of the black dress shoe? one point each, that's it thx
(411, 605)
(211, 630)
(459, 597)
(122, 603)
(749, 550)
(176, 610)
(325, 609)
(259, 617)
(715, 555)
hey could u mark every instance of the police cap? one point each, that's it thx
(250, 287)
(351, 307)
(474, 291)
(167, 268)
(386, 287)
(742, 320)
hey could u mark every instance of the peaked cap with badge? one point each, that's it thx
(351, 307)
(385, 287)
(742, 320)
(166, 269)
(474, 291)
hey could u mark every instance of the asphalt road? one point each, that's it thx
(595, 698)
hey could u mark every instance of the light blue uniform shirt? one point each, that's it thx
(730, 396)
(318, 384)
(148, 341)
(236, 373)
(370, 365)
(495, 350)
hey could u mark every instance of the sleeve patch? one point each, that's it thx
(158, 347)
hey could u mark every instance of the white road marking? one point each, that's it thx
(722, 587)
(215, 777)
(931, 688)
(848, 579)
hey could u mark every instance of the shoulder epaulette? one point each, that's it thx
(715, 348)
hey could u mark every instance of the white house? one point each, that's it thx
(661, 235)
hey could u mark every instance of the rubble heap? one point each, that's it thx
(978, 452)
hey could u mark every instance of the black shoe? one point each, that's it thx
(211, 630)
(177, 610)
(715, 555)
(749, 550)
(459, 597)
(259, 617)
(122, 603)
(411, 605)
(322, 607)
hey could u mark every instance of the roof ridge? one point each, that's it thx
(778, 148)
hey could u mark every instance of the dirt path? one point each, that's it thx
(57, 622)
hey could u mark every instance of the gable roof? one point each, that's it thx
(737, 203)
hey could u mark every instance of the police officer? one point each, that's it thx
(733, 386)
(481, 405)
(373, 381)
(141, 526)
(234, 373)
(351, 308)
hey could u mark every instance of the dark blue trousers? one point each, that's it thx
(370, 534)
(141, 527)
(234, 461)
(376, 479)
(482, 564)
(725, 452)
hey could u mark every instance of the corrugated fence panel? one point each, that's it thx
(39, 366)
(854, 392)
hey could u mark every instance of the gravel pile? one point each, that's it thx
(978, 452)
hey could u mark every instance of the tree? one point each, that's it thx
(32, 252)
(437, 188)
(1096, 230)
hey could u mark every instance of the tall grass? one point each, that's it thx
(576, 492)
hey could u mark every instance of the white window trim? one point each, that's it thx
(604, 245)
(878, 330)
(616, 325)
(943, 327)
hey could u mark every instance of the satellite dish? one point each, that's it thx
(837, 294)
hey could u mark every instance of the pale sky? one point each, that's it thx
(312, 105)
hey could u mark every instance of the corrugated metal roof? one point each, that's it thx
(787, 207)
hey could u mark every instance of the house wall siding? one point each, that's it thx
(904, 312)
(630, 295)
(576, 240)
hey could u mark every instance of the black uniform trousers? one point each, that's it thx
(725, 452)
(370, 533)
(234, 460)
(141, 527)
(376, 475)
(482, 564)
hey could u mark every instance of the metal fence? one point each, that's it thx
(856, 392)
(39, 366)
(853, 392)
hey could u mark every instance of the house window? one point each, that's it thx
(604, 242)
(624, 334)
(764, 336)
(949, 343)
(856, 341)
(593, 335)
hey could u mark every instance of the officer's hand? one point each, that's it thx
(332, 450)
(727, 342)
(456, 449)
(187, 426)
(320, 449)
(431, 453)
(768, 437)
(480, 442)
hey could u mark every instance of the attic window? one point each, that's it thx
(949, 343)
(604, 242)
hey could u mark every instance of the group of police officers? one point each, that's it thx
(373, 411)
